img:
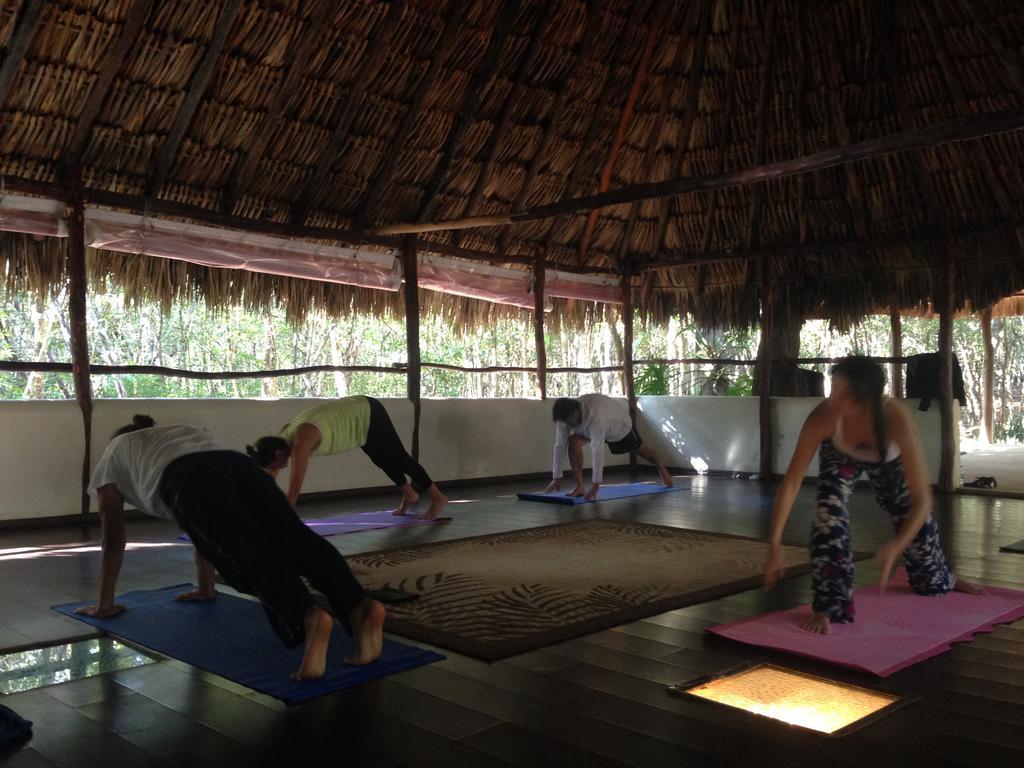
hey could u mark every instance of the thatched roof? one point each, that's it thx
(356, 113)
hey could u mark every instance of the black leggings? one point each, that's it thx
(241, 522)
(385, 449)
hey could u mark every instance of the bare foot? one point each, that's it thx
(963, 585)
(666, 476)
(819, 624)
(409, 499)
(318, 635)
(367, 620)
(437, 502)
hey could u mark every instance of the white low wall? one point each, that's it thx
(724, 431)
(41, 444)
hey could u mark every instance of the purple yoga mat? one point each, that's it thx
(362, 521)
(893, 630)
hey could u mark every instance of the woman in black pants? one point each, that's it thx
(241, 525)
(337, 426)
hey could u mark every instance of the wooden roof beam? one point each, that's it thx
(24, 31)
(657, 128)
(980, 153)
(442, 50)
(377, 47)
(483, 75)
(928, 137)
(300, 51)
(725, 137)
(694, 80)
(594, 125)
(168, 151)
(991, 34)
(111, 64)
(501, 125)
(593, 22)
(625, 118)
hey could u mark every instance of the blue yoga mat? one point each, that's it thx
(608, 492)
(231, 637)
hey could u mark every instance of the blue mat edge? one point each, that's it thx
(407, 656)
(561, 498)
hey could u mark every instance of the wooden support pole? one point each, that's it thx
(896, 326)
(627, 341)
(539, 273)
(765, 371)
(946, 301)
(74, 213)
(412, 335)
(988, 379)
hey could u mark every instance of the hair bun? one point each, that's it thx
(141, 420)
(251, 450)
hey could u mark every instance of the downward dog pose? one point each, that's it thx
(849, 429)
(241, 525)
(338, 426)
(594, 419)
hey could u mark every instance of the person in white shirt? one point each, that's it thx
(242, 526)
(598, 420)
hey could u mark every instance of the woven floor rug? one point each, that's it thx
(499, 595)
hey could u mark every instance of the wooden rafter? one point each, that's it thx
(512, 100)
(725, 138)
(854, 193)
(196, 89)
(24, 31)
(442, 50)
(802, 118)
(111, 64)
(483, 75)
(980, 155)
(593, 126)
(540, 156)
(991, 33)
(376, 49)
(625, 118)
(927, 137)
(694, 80)
(301, 49)
(654, 134)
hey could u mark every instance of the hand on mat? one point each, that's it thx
(196, 595)
(554, 485)
(100, 612)
(773, 567)
(888, 555)
(579, 490)
(592, 493)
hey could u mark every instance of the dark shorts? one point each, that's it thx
(629, 443)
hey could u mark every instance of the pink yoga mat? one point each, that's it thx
(893, 630)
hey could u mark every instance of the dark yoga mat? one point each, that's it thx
(607, 493)
(1017, 547)
(361, 521)
(231, 637)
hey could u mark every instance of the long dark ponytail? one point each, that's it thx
(139, 421)
(866, 381)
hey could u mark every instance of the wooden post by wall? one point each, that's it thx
(988, 378)
(765, 370)
(627, 341)
(412, 335)
(946, 300)
(896, 376)
(74, 212)
(538, 326)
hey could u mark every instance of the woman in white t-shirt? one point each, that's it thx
(242, 526)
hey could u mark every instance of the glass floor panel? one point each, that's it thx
(63, 662)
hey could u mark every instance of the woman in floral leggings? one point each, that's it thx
(849, 429)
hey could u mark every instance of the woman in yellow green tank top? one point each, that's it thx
(337, 426)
